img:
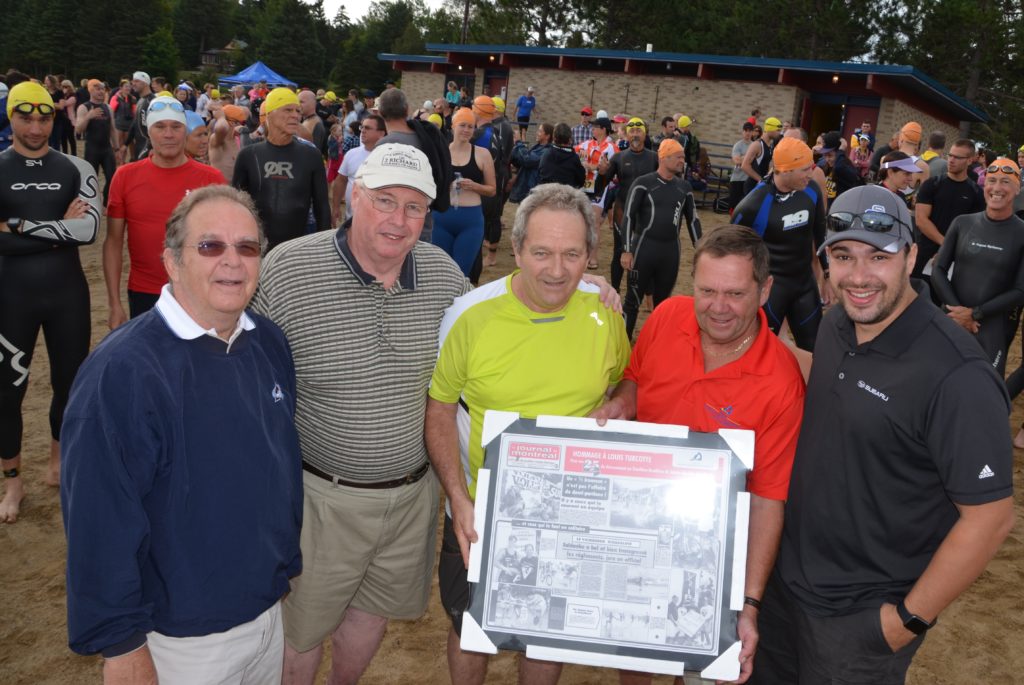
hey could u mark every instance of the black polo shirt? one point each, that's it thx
(894, 432)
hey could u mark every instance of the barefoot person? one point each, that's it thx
(48, 207)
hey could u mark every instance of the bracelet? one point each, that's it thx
(756, 603)
(11, 473)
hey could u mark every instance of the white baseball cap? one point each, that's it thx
(141, 76)
(394, 164)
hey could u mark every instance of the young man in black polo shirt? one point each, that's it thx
(902, 481)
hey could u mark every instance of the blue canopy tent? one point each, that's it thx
(256, 72)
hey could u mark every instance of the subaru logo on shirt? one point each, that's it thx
(277, 393)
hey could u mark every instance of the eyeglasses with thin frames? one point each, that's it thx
(389, 206)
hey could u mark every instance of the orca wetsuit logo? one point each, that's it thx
(14, 356)
(277, 170)
(35, 186)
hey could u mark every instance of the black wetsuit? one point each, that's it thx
(41, 280)
(762, 163)
(98, 150)
(988, 277)
(793, 226)
(284, 180)
(655, 211)
(626, 166)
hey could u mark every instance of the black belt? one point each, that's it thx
(408, 479)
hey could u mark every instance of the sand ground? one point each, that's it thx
(980, 638)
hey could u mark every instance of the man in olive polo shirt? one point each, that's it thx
(902, 481)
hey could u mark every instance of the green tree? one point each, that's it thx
(287, 42)
(969, 46)
(200, 25)
(160, 54)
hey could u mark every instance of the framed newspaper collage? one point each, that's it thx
(620, 546)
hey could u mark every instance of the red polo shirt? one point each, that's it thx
(762, 391)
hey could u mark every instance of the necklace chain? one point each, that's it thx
(732, 351)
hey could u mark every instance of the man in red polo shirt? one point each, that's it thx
(711, 362)
(142, 196)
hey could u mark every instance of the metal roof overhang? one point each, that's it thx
(886, 80)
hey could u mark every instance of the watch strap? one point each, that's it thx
(912, 622)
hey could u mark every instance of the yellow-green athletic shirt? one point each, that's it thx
(495, 353)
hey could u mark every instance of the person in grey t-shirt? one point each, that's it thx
(739, 177)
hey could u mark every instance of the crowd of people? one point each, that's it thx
(250, 462)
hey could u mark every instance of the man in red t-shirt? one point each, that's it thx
(711, 362)
(142, 196)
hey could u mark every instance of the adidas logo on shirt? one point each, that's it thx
(986, 473)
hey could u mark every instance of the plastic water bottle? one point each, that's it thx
(458, 189)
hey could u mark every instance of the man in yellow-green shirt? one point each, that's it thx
(535, 342)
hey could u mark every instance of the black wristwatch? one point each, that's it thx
(912, 622)
(976, 314)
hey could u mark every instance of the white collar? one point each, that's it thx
(185, 327)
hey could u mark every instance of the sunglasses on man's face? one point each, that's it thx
(27, 108)
(215, 248)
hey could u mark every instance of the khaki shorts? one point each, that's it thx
(370, 549)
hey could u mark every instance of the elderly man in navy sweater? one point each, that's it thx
(181, 487)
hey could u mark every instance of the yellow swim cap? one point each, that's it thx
(499, 104)
(29, 93)
(279, 97)
(684, 121)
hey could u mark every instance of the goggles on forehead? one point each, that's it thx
(163, 104)
(1006, 169)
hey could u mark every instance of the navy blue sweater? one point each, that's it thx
(181, 484)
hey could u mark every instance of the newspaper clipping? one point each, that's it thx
(598, 541)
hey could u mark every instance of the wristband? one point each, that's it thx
(11, 473)
(756, 603)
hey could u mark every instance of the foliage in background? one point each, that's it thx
(969, 46)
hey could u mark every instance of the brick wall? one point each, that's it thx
(720, 107)
(420, 86)
(893, 114)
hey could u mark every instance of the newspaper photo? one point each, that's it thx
(609, 543)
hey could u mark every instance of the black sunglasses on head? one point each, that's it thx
(874, 222)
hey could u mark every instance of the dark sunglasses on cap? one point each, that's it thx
(215, 248)
(27, 108)
(874, 222)
(164, 104)
(1006, 169)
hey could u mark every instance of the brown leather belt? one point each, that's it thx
(382, 485)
